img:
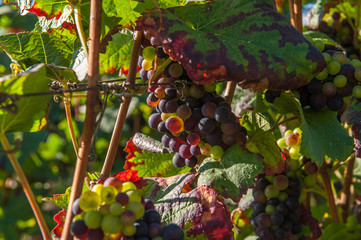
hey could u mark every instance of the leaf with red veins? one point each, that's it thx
(247, 42)
(199, 211)
(48, 8)
(59, 218)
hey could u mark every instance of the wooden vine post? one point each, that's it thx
(92, 107)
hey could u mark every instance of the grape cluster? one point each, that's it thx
(195, 121)
(340, 79)
(276, 207)
(115, 210)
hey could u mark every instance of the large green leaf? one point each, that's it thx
(117, 53)
(232, 176)
(323, 135)
(263, 142)
(27, 49)
(30, 113)
(130, 10)
(248, 42)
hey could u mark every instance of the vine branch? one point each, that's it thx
(231, 87)
(26, 187)
(329, 193)
(345, 197)
(296, 14)
(79, 27)
(118, 128)
(92, 107)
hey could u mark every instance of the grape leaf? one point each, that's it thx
(60, 200)
(232, 176)
(29, 113)
(59, 218)
(130, 10)
(27, 49)
(322, 134)
(48, 8)
(270, 53)
(263, 142)
(356, 132)
(200, 211)
(314, 35)
(286, 104)
(149, 144)
(117, 53)
(44, 24)
(352, 114)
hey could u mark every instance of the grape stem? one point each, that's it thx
(296, 14)
(345, 197)
(323, 171)
(79, 27)
(357, 25)
(118, 128)
(92, 106)
(26, 187)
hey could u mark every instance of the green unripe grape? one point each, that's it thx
(282, 143)
(175, 70)
(294, 153)
(89, 201)
(93, 219)
(97, 188)
(322, 75)
(147, 65)
(319, 45)
(79, 217)
(295, 164)
(270, 209)
(111, 224)
(289, 131)
(108, 193)
(133, 195)
(298, 130)
(271, 191)
(149, 53)
(339, 57)
(283, 196)
(128, 186)
(355, 63)
(137, 208)
(340, 81)
(327, 57)
(309, 181)
(129, 230)
(357, 73)
(216, 152)
(128, 218)
(333, 67)
(104, 209)
(116, 209)
(210, 87)
(356, 91)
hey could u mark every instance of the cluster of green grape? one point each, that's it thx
(340, 79)
(116, 210)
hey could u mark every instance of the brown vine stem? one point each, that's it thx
(357, 25)
(92, 108)
(345, 197)
(296, 14)
(329, 193)
(118, 128)
(231, 87)
(26, 187)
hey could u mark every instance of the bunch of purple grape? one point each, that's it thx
(276, 207)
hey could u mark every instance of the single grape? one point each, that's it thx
(356, 91)
(171, 106)
(206, 125)
(314, 86)
(355, 63)
(317, 101)
(222, 114)
(208, 97)
(193, 138)
(174, 124)
(282, 208)
(151, 216)
(319, 45)
(292, 202)
(195, 150)
(128, 186)
(259, 197)
(335, 103)
(162, 128)
(214, 138)
(322, 75)
(170, 93)
(190, 124)
(78, 228)
(173, 232)
(108, 193)
(76, 208)
(262, 183)
(196, 91)
(339, 57)
(155, 230)
(175, 144)
(276, 218)
(133, 195)
(148, 204)
(210, 87)
(104, 209)
(147, 65)
(137, 208)
(93, 219)
(327, 57)
(95, 234)
(216, 152)
(228, 139)
(206, 150)
(229, 127)
(149, 53)
(175, 70)
(333, 67)
(294, 153)
(340, 81)
(347, 70)
(329, 89)
(128, 217)
(263, 220)
(270, 209)
(184, 151)
(184, 112)
(111, 224)
(280, 182)
(280, 233)
(141, 228)
(154, 120)
(129, 230)
(178, 161)
(346, 90)
(89, 201)
(292, 139)
(311, 168)
(208, 109)
(271, 191)
(159, 92)
(309, 181)
(122, 198)
(283, 196)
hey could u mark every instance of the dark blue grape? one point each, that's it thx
(172, 232)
